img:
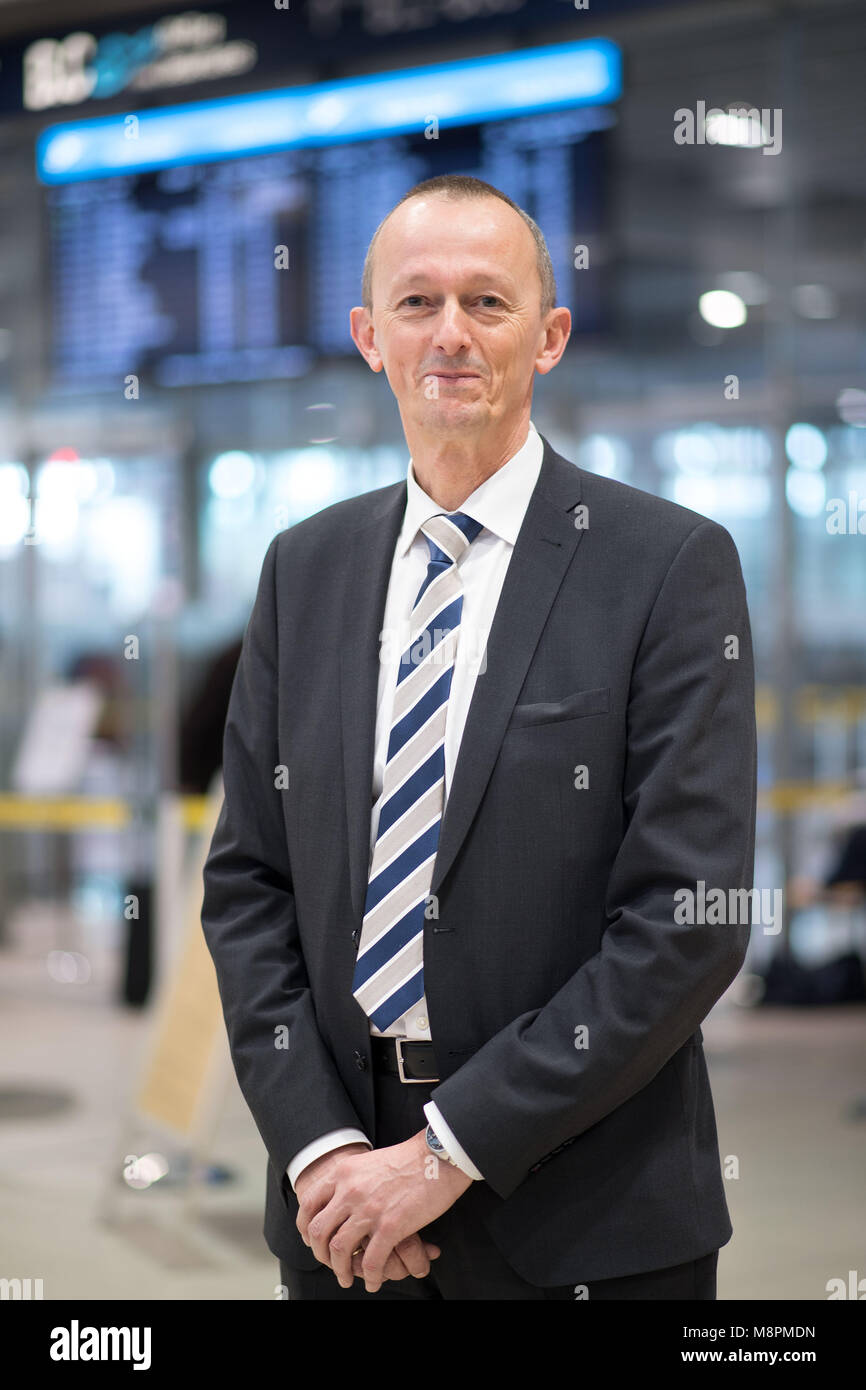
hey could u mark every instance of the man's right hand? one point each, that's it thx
(411, 1257)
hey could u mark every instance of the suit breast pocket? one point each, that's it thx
(574, 706)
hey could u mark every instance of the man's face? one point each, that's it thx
(456, 320)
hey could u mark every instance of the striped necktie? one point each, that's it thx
(389, 970)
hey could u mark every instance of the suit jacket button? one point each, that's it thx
(360, 1061)
(355, 936)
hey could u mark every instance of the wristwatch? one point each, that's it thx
(435, 1145)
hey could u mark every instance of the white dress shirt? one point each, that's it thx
(500, 505)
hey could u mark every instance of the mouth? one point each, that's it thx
(455, 376)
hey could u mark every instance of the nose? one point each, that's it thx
(451, 329)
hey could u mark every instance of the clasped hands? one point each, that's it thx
(382, 1196)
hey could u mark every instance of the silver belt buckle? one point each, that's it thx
(410, 1080)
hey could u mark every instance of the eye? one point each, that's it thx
(494, 297)
(411, 297)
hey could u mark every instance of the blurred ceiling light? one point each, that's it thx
(709, 448)
(231, 474)
(805, 491)
(313, 477)
(722, 309)
(13, 480)
(14, 518)
(735, 494)
(814, 301)
(695, 451)
(698, 493)
(751, 287)
(55, 519)
(64, 475)
(851, 405)
(806, 446)
(121, 543)
(736, 127)
(744, 494)
(605, 454)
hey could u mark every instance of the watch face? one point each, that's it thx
(432, 1141)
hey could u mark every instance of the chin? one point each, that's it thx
(454, 413)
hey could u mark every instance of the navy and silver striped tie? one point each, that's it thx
(389, 969)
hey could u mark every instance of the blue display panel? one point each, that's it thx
(171, 274)
(471, 90)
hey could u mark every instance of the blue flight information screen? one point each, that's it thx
(246, 269)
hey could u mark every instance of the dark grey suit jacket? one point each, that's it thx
(556, 903)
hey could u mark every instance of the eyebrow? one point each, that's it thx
(492, 277)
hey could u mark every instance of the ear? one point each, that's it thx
(363, 336)
(555, 333)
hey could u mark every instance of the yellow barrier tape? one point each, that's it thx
(799, 796)
(61, 813)
(83, 812)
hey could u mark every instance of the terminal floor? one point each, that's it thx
(790, 1093)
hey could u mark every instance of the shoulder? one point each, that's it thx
(640, 526)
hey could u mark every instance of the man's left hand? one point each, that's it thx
(383, 1195)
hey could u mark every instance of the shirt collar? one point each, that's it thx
(499, 503)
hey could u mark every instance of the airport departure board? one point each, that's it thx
(175, 275)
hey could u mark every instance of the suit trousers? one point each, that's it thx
(471, 1266)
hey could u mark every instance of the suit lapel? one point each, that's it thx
(545, 545)
(369, 572)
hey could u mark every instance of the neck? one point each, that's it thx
(450, 469)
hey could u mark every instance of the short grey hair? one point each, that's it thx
(464, 186)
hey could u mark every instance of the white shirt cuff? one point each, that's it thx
(332, 1140)
(452, 1148)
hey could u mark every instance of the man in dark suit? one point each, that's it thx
(483, 862)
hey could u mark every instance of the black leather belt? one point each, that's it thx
(411, 1061)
